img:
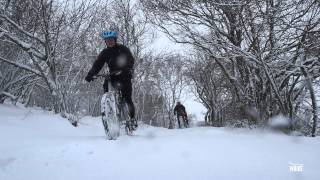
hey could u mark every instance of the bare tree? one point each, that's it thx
(255, 44)
(39, 41)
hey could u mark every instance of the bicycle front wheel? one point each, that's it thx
(110, 119)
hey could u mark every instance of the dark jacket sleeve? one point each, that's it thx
(130, 59)
(98, 64)
(127, 71)
(183, 108)
(175, 110)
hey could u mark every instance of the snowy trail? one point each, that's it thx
(39, 145)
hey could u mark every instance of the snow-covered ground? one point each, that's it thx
(38, 145)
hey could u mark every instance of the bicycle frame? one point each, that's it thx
(184, 120)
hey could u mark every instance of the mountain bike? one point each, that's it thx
(114, 110)
(184, 118)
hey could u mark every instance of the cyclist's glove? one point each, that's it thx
(89, 78)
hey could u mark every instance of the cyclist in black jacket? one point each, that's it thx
(180, 110)
(119, 59)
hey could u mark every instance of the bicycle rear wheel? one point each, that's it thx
(124, 117)
(186, 122)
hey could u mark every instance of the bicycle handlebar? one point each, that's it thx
(107, 75)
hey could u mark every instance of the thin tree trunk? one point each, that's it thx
(313, 100)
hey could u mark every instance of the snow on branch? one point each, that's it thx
(9, 95)
(21, 66)
(26, 46)
(21, 29)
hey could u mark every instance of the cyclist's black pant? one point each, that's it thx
(184, 119)
(126, 90)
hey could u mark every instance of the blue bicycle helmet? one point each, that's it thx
(109, 34)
